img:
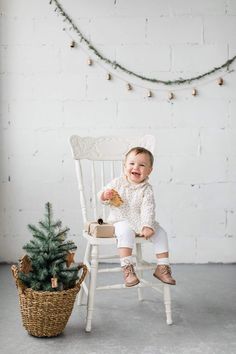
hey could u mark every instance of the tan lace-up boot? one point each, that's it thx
(163, 273)
(130, 276)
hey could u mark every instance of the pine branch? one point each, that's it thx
(48, 213)
(35, 230)
(71, 269)
(56, 224)
(48, 287)
(62, 232)
(44, 226)
(32, 246)
(43, 275)
(60, 255)
(69, 246)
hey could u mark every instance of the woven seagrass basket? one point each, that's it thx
(46, 313)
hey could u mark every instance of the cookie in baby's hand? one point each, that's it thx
(116, 200)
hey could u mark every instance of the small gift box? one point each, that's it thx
(100, 229)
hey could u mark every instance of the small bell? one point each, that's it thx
(149, 93)
(72, 44)
(220, 81)
(194, 92)
(89, 62)
(129, 87)
(171, 96)
(108, 76)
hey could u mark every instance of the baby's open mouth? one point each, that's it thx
(136, 174)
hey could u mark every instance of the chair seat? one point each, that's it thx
(109, 240)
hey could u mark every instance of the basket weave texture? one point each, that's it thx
(45, 313)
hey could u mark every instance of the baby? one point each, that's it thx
(135, 215)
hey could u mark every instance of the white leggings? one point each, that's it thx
(126, 237)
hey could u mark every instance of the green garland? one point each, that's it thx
(116, 65)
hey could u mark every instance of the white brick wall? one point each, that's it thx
(48, 92)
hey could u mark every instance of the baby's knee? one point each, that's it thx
(123, 228)
(160, 240)
(160, 232)
(124, 234)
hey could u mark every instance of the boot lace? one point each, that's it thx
(165, 269)
(129, 268)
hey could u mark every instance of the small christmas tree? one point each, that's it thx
(46, 267)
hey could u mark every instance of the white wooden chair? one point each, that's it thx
(104, 153)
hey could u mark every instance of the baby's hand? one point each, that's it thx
(107, 194)
(147, 232)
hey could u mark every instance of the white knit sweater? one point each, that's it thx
(138, 207)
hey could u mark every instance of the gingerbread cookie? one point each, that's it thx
(116, 200)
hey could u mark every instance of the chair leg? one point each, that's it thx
(86, 261)
(139, 259)
(167, 302)
(92, 287)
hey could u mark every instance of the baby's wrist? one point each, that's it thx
(103, 198)
(106, 195)
(147, 231)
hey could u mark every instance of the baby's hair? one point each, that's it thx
(141, 150)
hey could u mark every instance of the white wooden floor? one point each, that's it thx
(204, 315)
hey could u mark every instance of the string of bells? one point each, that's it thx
(170, 95)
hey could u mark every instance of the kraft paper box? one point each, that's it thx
(100, 230)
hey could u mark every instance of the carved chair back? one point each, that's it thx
(98, 160)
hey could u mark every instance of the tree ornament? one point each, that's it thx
(220, 81)
(194, 92)
(25, 264)
(149, 93)
(108, 76)
(171, 96)
(69, 258)
(72, 44)
(89, 62)
(129, 87)
(54, 282)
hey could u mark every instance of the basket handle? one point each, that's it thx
(14, 271)
(19, 285)
(84, 272)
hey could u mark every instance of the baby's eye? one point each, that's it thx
(131, 163)
(142, 165)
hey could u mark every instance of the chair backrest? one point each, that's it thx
(97, 161)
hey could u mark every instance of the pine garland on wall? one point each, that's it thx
(117, 66)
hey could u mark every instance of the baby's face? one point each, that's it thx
(137, 167)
